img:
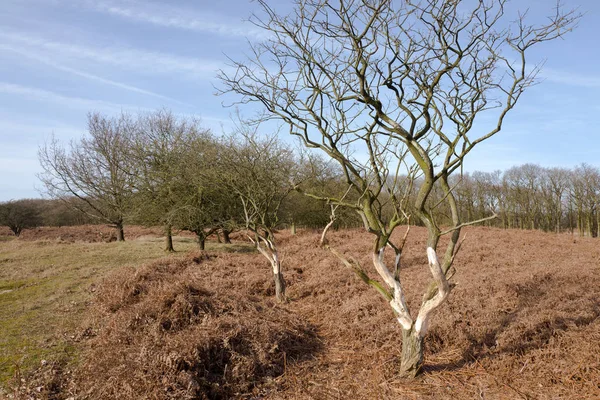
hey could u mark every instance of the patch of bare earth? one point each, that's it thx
(522, 323)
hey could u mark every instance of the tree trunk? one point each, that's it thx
(218, 235)
(120, 232)
(169, 239)
(293, 229)
(201, 241)
(226, 237)
(594, 224)
(279, 286)
(412, 353)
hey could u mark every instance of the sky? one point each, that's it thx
(60, 59)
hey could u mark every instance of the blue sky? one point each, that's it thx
(60, 59)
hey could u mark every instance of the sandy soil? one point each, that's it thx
(522, 323)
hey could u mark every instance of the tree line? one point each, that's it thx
(533, 197)
(22, 214)
(157, 170)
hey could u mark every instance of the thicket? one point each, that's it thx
(159, 170)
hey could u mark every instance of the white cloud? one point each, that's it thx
(56, 98)
(86, 75)
(140, 61)
(569, 78)
(177, 17)
(15, 135)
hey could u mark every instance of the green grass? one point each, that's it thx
(45, 290)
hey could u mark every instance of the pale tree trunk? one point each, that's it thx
(293, 228)
(271, 254)
(278, 278)
(412, 338)
(412, 353)
(437, 292)
(169, 239)
(413, 331)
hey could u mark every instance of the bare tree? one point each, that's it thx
(390, 89)
(554, 189)
(585, 192)
(89, 175)
(259, 171)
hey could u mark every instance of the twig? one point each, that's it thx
(332, 218)
(458, 246)
(355, 266)
(469, 223)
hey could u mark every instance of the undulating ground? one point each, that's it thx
(523, 321)
(48, 277)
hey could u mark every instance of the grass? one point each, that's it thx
(45, 287)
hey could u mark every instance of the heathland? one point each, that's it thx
(83, 318)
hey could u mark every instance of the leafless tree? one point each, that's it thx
(555, 182)
(585, 194)
(259, 171)
(389, 90)
(89, 174)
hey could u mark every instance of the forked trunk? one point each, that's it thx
(412, 353)
(271, 254)
(169, 240)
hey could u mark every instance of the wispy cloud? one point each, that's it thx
(56, 98)
(140, 61)
(87, 75)
(177, 17)
(569, 78)
(16, 135)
